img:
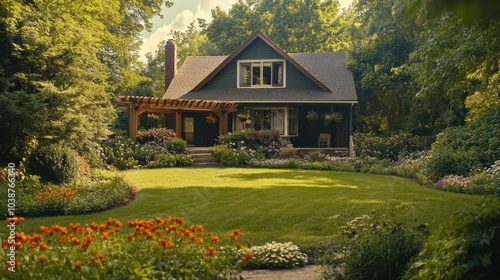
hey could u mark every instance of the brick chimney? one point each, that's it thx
(170, 62)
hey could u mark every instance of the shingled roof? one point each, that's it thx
(327, 70)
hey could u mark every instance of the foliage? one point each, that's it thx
(54, 164)
(239, 147)
(126, 153)
(390, 147)
(153, 249)
(467, 247)
(294, 25)
(315, 156)
(445, 161)
(158, 135)
(162, 160)
(100, 191)
(459, 150)
(66, 61)
(287, 152)
(456, 69)
(485, 181)
(376, 249)
(176, 145)
(276, 255)
(383, 42)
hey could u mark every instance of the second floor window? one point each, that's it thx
(268, 73)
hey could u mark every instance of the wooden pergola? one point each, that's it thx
(141, 104)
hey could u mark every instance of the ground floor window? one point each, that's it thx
(283, 120)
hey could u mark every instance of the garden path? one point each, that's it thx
(310, 272)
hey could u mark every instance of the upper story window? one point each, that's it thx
(262, 73)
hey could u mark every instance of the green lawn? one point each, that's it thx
(303, 206)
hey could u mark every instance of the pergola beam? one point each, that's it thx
(138, 105)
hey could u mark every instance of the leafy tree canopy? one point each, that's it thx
(62, 62)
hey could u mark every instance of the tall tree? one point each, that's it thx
(295, 25)
(61, 63)
(457, 68)
(381, 44)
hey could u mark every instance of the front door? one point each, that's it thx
(188, 129)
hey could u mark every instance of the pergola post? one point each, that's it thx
(178, 124)
(132, 121)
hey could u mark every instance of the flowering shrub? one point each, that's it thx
(127, 153)
(276, 255)
(158, 135)
(391, 147)
(454, 183)
(102, 190)
(152, 249)
(239, 147)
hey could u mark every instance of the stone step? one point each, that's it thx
(202, 157)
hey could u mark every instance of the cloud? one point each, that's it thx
(181, 22)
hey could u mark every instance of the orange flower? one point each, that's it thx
(165, 242)
(77, 265)
(76, 241)
(105, 235)
(248, 257)
(215, 240)
(42, 259)
(94, 226)
(238, 245)
(131, 237)
(235, 234)
(16, 220)
(42, 245)
(97, 258)
(210, 252)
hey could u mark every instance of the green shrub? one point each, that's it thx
(315, 156)
(442, 161)
(183, 160)
(176, 145)
(375, 249)
(54, 164)
(287, 152)
(466, 248)
(162, 160)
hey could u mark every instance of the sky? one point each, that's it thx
(180, 15)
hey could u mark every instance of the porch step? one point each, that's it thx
(202, 157)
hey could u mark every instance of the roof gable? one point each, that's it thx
(271, 44)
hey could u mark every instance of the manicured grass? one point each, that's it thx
(303, 206)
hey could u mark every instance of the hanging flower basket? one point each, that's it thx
(244, 118)
(335, 117)
(312, 116)
(211, 119)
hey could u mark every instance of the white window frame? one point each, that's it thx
(261, 61)
(236, 126)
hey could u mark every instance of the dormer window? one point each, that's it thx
(261, 73)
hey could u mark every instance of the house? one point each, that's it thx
(291, 93)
